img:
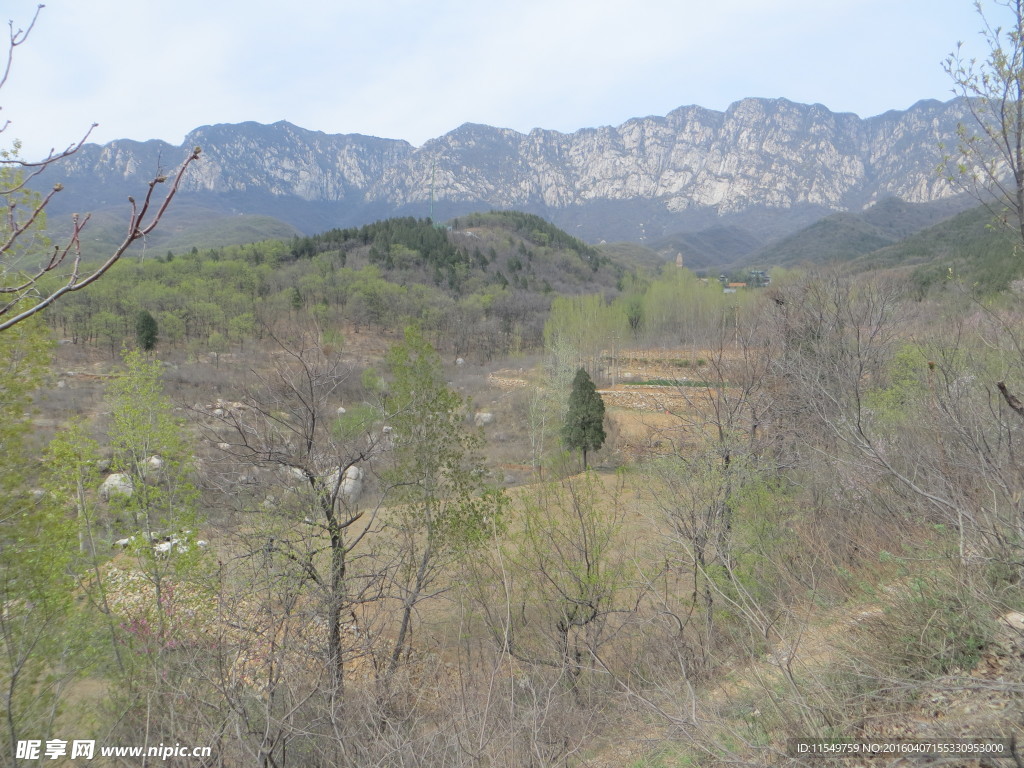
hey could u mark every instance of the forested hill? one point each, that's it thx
(502, 247)
(484, 282)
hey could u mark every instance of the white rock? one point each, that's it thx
(352, 484)
(164, 547)
(1011, 627)
(483, 418)
(117, 484)
(153, 469)
(341, 411)
(459, 361)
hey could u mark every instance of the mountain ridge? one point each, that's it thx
(650, 176)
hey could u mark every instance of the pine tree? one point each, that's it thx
(584, 421)
(146, 330)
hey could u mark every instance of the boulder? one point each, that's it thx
(483, 418)
(351, 486)
(153, 469)
(117, 484)
(294, 473)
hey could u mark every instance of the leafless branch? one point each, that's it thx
(141, 223)
(21, 293)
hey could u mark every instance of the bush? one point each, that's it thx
(937, 622)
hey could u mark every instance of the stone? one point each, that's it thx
(117, 484)
(153, 469)
(351, 486)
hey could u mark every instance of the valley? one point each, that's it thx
(769, 521)
(656, 445)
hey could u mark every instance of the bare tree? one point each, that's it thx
(32, 275)
(288, 423)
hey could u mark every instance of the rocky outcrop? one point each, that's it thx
(759, 155)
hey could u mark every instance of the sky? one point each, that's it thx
(414, 70)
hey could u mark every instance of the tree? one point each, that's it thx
(584, 421)
(33, 275)
(36, 545)
(443, 507)
(146, 330)
(565, 559)
(311, 524)
(992, 161)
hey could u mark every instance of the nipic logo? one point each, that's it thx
(54, 748)
(51, 749)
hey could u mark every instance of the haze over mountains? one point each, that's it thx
(755, 173)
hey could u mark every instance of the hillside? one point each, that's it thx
(709, 248)
(482, 284)
(186, 225)
(968, 246)
(845, 236)
(754, 570)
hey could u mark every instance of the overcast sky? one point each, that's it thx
(415, 69)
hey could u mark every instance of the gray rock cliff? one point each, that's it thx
(646, 177)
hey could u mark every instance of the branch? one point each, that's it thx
(16, 38)
(138, 227)
(1010, 399)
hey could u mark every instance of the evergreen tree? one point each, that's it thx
(584, 421)
(146, 330)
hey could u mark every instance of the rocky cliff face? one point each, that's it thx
(646, 177)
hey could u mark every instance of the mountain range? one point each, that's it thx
(754, 174)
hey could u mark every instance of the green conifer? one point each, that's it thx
(584, 421)
(146, 330)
